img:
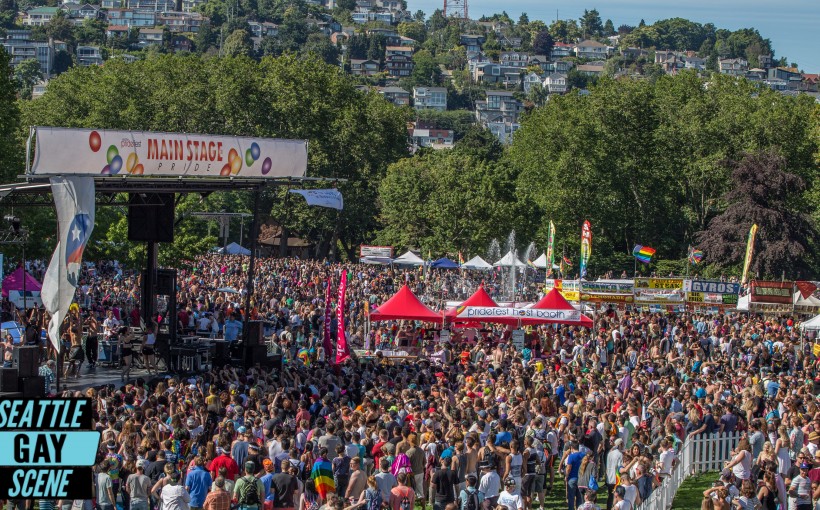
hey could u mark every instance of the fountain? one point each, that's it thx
(510, 246)
(493, 251)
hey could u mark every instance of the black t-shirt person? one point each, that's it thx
(283, 486)
(445, 479)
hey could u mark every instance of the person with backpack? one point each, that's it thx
(402, 497)
(249, 491)
(370, 498)
(470, 498)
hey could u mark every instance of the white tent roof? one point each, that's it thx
(810, 304)
(477, 263)
(541, 262)
(375, 260)
(409, 259)
(743, 302)
(507, 261)
(235, 249)
(811, 325)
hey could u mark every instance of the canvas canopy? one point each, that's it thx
(409, 259)
(811, 325)
(541, 262)
(553, 300)
(810, 304)
(376, 260)
(14, 281)
(234, 249)
(445, 263)
(477, 263)
(479, 298)
(404, 305)
(508, 260)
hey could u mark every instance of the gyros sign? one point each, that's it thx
(489, 313)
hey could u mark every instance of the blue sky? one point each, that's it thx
(793, 26)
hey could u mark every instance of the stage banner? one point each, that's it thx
(659, 283)
(327, 343)
(586, 247)
(341, 343)
(550, 248)
(489, 313)
(771, 292)
(331, 198)
(75, 203)
(62, 151)
(711, 292)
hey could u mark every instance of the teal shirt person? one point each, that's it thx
(233, 328)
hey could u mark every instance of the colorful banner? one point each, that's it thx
(326, 341)
(806, 288)
(711, 292)
(750, 248)
(376, 251)
(341, 343)
(125, 153)
(550, 247)
(331, 198)
(658, 296)
(489, 313)
(586, 247)
(570, 289)
(659, 283)
(75, 203)
(607, 292)
(771, 292)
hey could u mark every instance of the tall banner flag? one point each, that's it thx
(74, 201)
(586, 247)
(643, 253)
(550, 247)
(750, 248)
(326, 342)
(341, 344)
(331, 198)
(695, 256)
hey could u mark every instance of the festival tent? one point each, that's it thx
(234, 249)
(479, 298)
(409, 259)
(14, 281)
(810, 304)
(555, 301)
(477, 263)
(541, 262)
(444, 263)
(508, 260)
(404, 305)
(811, 325)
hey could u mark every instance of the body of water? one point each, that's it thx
(793, 26)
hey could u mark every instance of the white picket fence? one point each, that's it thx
(697, 456)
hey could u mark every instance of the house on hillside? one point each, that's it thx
(531, 80)
(89, 56)
(734, 66)
(364, 67)
(561, 50)
(514, 59)
(149, 36)
(396, 95)
(591, 49)
(594, 70)
(430, 98)
(499, 113)
(472, 42)
(556, 83)
(39, 16)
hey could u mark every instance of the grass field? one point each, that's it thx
(690, 494)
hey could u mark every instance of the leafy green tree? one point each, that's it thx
(415, 30)
(763, 192)
(60, 28)
(609, 28)
(437, 21)
(591, 24)
(565, 30)
(425, 69)
(91, 31)
(27, 74)
(62, 62)
(625, 29)
(418, 17)
(11, 150)
(238, 43)
(542, 43)
(319, 45)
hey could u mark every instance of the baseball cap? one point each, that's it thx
(509, 482)
(805, 465)
(242, 430)
(191, 422)
(250, 466)
(141, 463)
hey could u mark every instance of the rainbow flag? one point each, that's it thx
(304, 355)
(643, 253)
(460, 259)
(322, 476)
(695, 256)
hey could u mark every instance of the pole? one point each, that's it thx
(25, 274)
(254, 233)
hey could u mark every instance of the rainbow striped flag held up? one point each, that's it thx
(695, 256)
(643, 253)
(322, 476)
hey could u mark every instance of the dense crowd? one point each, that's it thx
(597, 417)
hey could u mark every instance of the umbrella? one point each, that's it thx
(229, 290)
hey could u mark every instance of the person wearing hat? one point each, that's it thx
(249, 492)
(510, 497)
(489, 485)
(138, 486)
(800, 489)
(198, 482)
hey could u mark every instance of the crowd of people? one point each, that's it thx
(594, 418)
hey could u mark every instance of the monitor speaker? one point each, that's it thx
(153, 222)
(255, 333)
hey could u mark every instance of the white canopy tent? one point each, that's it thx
(409, 259)
(541, 262)
(508, 260)
(811, 325)
(477, 263)
(376, 260)
(810, 304)
(234, 249)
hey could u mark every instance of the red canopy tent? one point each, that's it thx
(555, 301)
(404, 305)
(479, 298)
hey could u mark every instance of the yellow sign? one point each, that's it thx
(659, 283)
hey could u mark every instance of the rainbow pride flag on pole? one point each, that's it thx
(643, 253)
(695, 256)
(322, 476)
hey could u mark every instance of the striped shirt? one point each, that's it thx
(217, 499)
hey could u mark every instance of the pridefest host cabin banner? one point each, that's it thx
(106, 153)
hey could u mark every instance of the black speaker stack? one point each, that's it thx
(23, 379)
(151, 217)
(254, 348)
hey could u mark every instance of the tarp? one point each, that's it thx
(811, 325)
(553, 300)
(404, 305)
(507, 261)
(234, 249)
(479, 298)
(409, 259)
(445, 263)
(14, 281)
(477, 263)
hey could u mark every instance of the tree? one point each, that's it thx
(591, 24)
(11, 151)
(319, 45)
(425, 69)
(60, 28)
(542, 43)
(625, 29)
(609, 28)
(416, 31)
(565, 30)
(27, 74)
(419, 16)
(348, 5)
(238, 43)
(62, 62)
(763, 193)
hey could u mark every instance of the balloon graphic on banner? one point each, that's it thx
(131, 161)
(116, 164)
(266, 166)
(94, 141)
(106, 170)
(112, 152)
(255, 151)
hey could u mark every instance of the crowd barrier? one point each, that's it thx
(698, 455)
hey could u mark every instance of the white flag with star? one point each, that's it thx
(74, 201)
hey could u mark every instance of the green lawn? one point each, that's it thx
(690, 494)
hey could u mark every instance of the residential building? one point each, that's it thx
(117, 31)
(810, 83)
(670, 61)
(486, 72)
(153, 5)
(556, 83)
(181, 43)
(511, 42)
(734, 66)
(39, 16)
(178, 22)
(80, 11)
(790, 75)
(765, 61)
(559, 66)
(499, 113)
(757, 74)
(132, 18)
(264, 29)
(778, 84)
(191, 5)
(696, 63)
(561, 50)
(430, 98)
(472, 42)
(633, 53)
(396, 95)
(531, 80)
(112, 4)
(514, 59)
(89, 56)
(366, 16)
(538, 60)
(364, 67)
(21, 49)
(39, 89)
(407, 41)
(390, 5)
(149, 36)
(424, 136)
(591, 69)
(398, 66)
(591, 49)
(511, 77)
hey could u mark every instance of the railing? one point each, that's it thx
(699, 455)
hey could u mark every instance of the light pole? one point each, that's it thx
(17, 236)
